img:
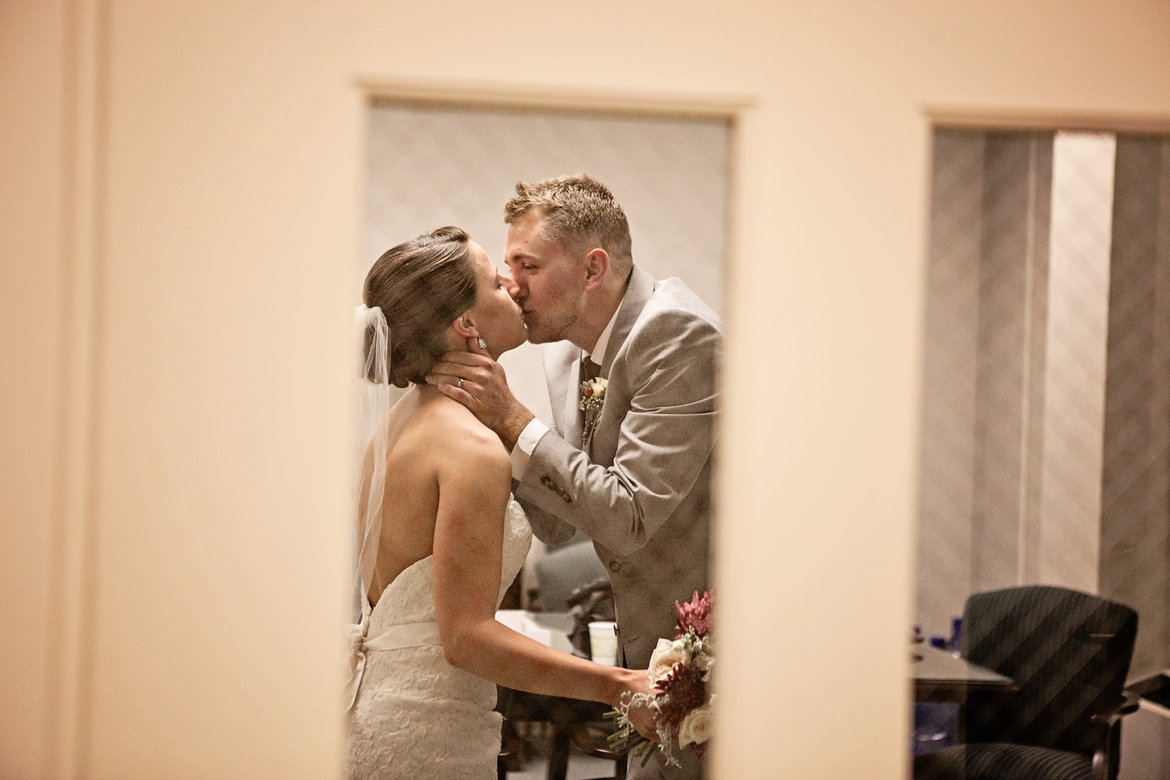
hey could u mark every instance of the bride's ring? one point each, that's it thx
(460, 384)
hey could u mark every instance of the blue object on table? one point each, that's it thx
(956, 633)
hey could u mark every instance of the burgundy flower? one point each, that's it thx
(680, 692)
(695, 614)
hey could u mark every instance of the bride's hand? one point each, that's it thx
(643, 717)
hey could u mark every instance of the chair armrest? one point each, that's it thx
(1128, 703)
(1110, 720)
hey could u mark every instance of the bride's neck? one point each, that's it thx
(427, 392)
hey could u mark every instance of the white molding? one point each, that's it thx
(1033, 119)
(556, 97)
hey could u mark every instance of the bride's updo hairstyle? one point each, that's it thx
(421, 286)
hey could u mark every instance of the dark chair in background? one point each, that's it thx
(565, 568)
(570, 578)
(1068, 654)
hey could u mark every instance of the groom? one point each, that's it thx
(634, 471)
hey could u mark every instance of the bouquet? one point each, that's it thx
(681, 673)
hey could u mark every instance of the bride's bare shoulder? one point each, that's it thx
(449, 424)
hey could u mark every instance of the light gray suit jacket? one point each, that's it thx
(641, 489)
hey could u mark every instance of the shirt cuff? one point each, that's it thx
(525, 444)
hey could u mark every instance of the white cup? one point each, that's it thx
(603, 642)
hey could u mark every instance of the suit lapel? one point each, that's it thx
(563, 364)
(638, 292)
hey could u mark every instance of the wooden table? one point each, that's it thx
(941, 677)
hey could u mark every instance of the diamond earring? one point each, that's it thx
(482, 343)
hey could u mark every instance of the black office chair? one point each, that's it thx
(1068, 653)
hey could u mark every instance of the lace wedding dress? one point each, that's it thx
(416, 716)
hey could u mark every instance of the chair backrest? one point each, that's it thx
(1068, 652)
(564, 569)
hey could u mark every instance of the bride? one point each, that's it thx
(440, 537)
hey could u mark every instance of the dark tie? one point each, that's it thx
(589, 372)
(589, 369)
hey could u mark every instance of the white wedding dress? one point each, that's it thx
(416, 716)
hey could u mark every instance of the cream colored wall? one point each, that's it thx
(31, 341)
(227, 151)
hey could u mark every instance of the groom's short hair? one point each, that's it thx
(579, 212)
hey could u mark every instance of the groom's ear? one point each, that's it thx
(596, 267)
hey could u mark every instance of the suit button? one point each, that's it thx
(615, 566)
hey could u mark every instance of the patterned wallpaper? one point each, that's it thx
(1135, 545)
(1074, 379)
(1046, 410)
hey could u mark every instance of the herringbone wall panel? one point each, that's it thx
(987, 272)
(1135, 553)
(947, 485)
(1013, 264)
(1069, 511)
(1046, 405)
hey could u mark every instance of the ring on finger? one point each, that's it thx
(460, 384)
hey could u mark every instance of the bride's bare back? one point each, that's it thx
(425, 431)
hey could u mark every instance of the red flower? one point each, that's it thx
(684, 691)
(695, 614)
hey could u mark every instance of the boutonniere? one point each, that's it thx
(592, 397)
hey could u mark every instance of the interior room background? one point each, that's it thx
(1046, 386)
(458, 164)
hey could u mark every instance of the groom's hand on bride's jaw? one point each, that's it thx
(485, 391)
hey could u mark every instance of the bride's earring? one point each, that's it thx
(482, 344)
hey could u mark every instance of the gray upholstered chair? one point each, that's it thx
(564, 569)
(1068, 653)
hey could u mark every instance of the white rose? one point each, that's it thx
(696, 726)
(663, 659)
